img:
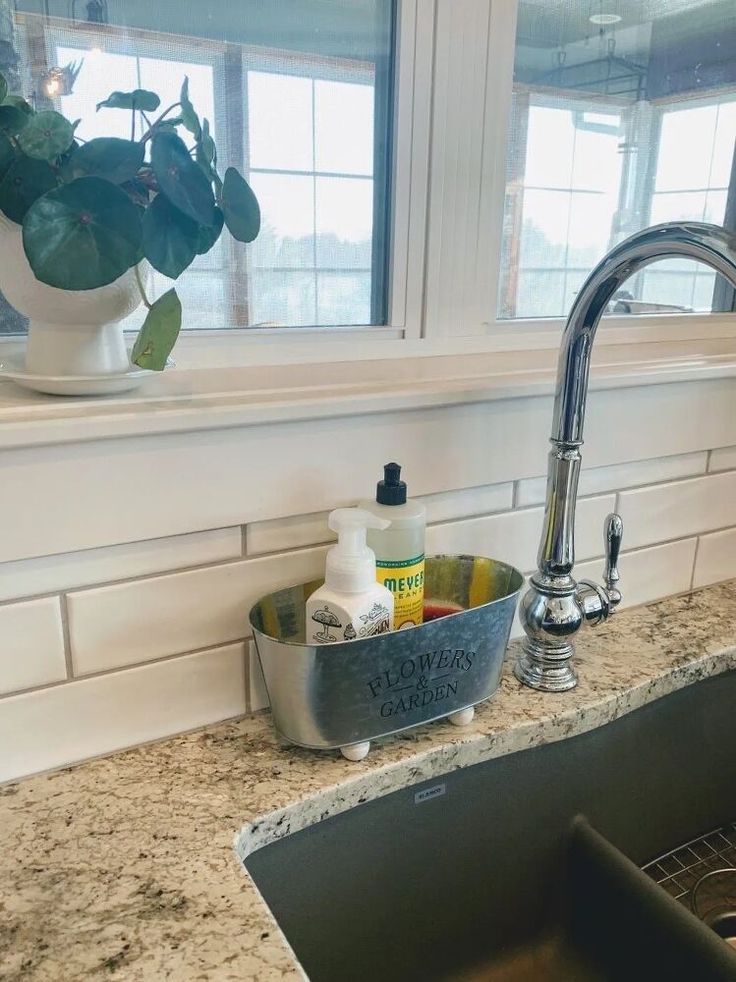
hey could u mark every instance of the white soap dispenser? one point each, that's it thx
(351, 604)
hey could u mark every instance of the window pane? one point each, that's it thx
(673, 206)
(344, 298)
(343, 126)
(678, 168)
(590, 220)
(615, 127)
(280, 121)
(294, 101)
(93, 85)
(344, 221)
(544, 236)
(549, 151)
(287, 220)
(280, 299)
(597, 160)
(540, 293)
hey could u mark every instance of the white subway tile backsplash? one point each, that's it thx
(257, 687)
(723, 459)
(672, 511)
(308, 530)
(448, 506)
(280, 534)
(595, 480)
(514, 536)
(49, 574)
(648, 574)
(177, 483)
(716, 559)
(158, 599)
(32, 647)
(147, 619)
(66, 723)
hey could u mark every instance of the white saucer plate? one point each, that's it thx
(12, 367)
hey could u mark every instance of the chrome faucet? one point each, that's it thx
(555, 607)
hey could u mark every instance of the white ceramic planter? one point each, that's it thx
(71, 332)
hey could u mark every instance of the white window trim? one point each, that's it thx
(429, 231)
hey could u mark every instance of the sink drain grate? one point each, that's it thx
(681, 869)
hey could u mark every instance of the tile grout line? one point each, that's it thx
(248, 700)
(695, 561)
(67, 637)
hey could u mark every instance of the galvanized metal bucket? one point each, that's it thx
(345, 693)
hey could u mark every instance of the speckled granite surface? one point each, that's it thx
(124, 867)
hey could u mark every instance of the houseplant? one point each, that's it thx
(81, 221)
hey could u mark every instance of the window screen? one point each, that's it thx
(298, 95)
(623, 116)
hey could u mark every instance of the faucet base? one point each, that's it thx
(546, 669)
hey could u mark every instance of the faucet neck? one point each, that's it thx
(709, 244)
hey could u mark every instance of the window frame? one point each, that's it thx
(438, 100)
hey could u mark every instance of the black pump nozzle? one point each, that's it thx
(391, 490)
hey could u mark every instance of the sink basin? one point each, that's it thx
(490, 872)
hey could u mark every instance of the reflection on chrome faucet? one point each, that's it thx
(555, 606)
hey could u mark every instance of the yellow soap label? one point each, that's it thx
(405, 580)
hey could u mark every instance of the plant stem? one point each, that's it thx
(139, 281)
(147, 135)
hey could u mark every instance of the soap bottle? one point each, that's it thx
(399, 548)
(351, 604)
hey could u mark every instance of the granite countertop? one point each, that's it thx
(126, 867)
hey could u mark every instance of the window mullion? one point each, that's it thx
(473, 59)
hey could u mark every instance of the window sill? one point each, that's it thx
(186, 400)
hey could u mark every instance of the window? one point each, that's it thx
(298, 95)
(312, 263)
(621, 118)
(691, 185)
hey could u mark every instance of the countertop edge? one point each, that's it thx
(469, 749)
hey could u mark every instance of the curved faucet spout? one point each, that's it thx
(555, 607)
(710, 244)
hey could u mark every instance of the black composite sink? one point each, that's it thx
(496, 876)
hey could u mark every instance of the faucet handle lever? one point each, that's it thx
(613, 531)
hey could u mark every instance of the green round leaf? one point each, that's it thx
(209, 234)
(46, 136)
(3, 87)
(137, 99)
(240, 207)
(115, 160)
(170, 237)
(20, 103)
(24, 181)
(159, 333)
(7, 154)
(82, 235)
(12, 120)
(181, 180)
